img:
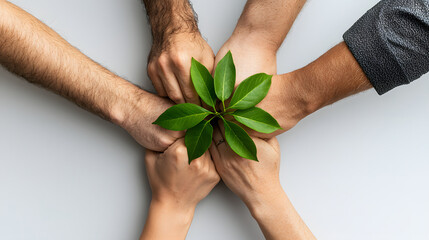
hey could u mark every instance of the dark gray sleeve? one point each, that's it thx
(391, 42)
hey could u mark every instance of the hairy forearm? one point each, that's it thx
(166, 221)
(169, 17)
(35, 52)
(332, 77)
(278, 219)
(269, 20)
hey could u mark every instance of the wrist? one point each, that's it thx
(245, 34)
(127, 97)
(168, 18)
(307, 97)
(178, 213)
(256, 25)
(266, 206)
(258, 201)
(333, 76)
(294, 91)
(166, 221)
(164, 43)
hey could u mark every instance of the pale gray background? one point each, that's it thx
(354, 170)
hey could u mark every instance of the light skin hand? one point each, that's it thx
(35, 52)
(258, 185)
(177, 188)
(258, 35)
(176, 39)
(146, 108)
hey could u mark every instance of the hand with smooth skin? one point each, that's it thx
(176, 40)
(258, 185)
(259, 33)
(35, 52)
(177, 187)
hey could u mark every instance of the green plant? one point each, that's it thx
(197, 120)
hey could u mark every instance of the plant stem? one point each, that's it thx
(223, 119)
(212, 118)
(223, 103)
(227, 113)
(214, 108)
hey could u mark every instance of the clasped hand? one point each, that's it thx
(177, 186)
(169, 70)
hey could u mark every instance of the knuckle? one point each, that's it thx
(180, 59)
(189, 93)
(226, 165)
(197, 164)
(175, 96)
(162, 60)
(151, 69)
(164, 142)
(180, 152)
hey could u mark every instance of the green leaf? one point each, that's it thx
(203, 83)
(257, 119)
(198, 139)
(251, 91)
(182, 116)
(224, 77)
(239, 140)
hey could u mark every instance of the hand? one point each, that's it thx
(177, 187)
(169, 65)
(140, 115)
(251, 55)
(292, 96)
(286, 102)
(246, 178)
(260, 31)
(176, 182)
(258, 185)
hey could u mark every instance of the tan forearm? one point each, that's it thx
(166, 221)
(35, 52)
(270, 20)
(278, 219)
(332, 77)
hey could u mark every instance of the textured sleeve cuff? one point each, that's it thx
(366, 40)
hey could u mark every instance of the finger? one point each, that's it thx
(214, 152)
(220, 142)
(171, 86)
(159, 87)
(156, 81)
(187, 87)
(221, 128)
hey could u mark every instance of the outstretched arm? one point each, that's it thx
(259, 33)
(35, 52)
(333, 76)
(385, 48)
(177, 187)
(258, 185)
(176, 39)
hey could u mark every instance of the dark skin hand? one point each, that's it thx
(292, 96)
